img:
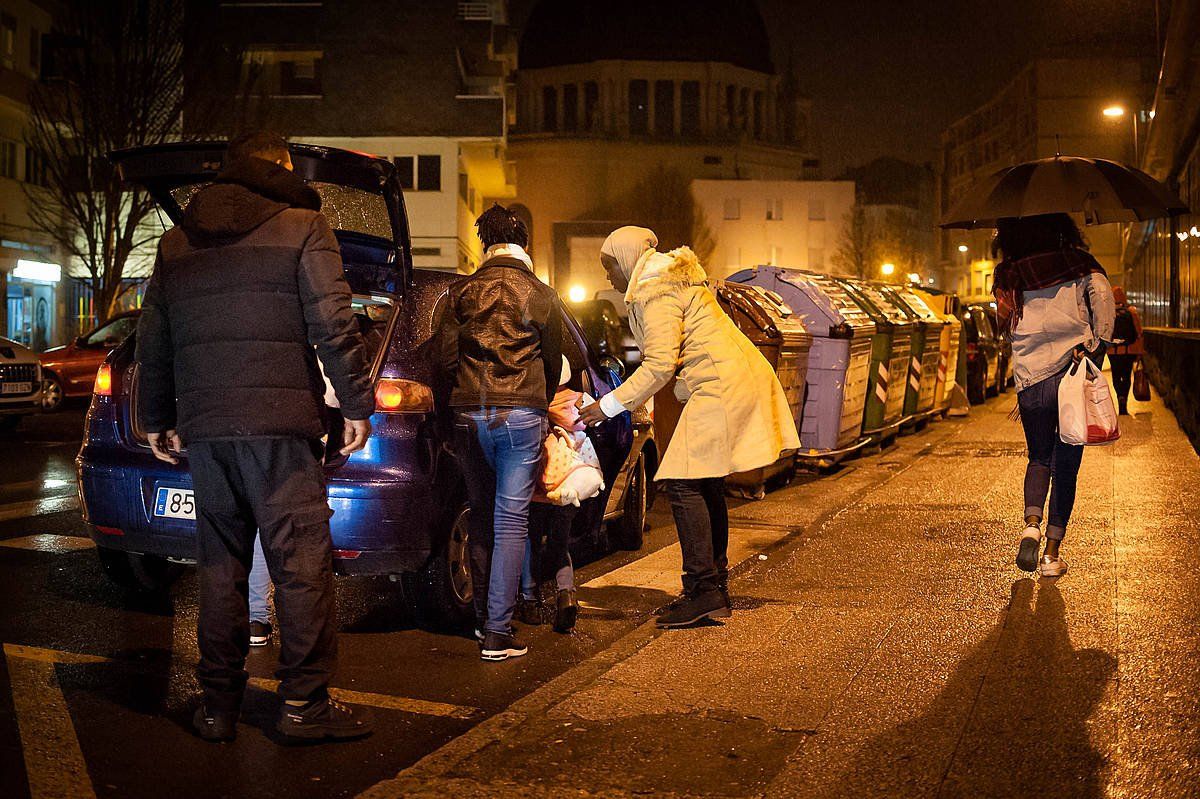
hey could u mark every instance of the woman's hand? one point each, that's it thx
(592, 415)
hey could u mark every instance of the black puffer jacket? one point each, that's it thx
(242, 291)
(499, 338)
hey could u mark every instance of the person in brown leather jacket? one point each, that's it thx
(499, 353)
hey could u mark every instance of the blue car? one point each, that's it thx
(400, 504)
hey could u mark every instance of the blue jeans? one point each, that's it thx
(1053, 466)
(500, 452)
(260, 585)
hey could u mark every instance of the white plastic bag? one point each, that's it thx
(1086, 413)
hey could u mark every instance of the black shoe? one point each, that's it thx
(498, 646)
(566, 612)
(324, 718)
(529, 611)
(213, 725)
(723, 587)
(260, 633)
(689, 609)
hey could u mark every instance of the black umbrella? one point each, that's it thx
(1103, 191)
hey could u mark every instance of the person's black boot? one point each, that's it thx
(324, 719)
(1122, 407)
(723, 587)
(215, 726)
(566, 611)
(529, 611)
(691, 608)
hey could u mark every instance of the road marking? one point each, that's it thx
(660, 569)
(386, 701)
(38, 507)
(46, 542)
(54, 763)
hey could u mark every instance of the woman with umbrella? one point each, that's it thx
(1055, 301)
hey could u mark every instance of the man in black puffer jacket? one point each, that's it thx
(247, 292)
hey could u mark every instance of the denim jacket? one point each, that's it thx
(1057, 319)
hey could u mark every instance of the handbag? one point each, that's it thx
(1087, 415)
(1141, 383)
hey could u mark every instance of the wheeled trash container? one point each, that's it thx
(942, 305)
(891, 347)
(781, 337)
(830, 422)
(920, 393)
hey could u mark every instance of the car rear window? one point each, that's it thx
(346, 208)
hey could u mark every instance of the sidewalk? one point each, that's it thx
(890, 647)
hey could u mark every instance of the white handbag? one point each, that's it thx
(1087, 415)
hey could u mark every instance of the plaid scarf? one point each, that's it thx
(1038, 271)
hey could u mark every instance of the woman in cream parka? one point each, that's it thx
(735, 415)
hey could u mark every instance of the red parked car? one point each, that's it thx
(70, 371)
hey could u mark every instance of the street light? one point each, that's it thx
(1114, 111)
(963, 248)
(1118, 111)
(577, 293)
(887, 268)
(913, 277)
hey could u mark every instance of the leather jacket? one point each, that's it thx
(498, 339)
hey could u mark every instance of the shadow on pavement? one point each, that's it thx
(1030, 695)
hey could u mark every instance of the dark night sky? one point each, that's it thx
(887, 76)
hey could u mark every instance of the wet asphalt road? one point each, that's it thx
(130, 712)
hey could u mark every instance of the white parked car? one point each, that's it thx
(20, 383)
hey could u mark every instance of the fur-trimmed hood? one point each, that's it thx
(661, 273)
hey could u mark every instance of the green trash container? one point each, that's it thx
(921, 391)
(891, 347)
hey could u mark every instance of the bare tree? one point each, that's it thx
(121, 79)
(858, 248)
(663, 201)
(899, 243)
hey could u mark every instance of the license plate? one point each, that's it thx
(175, 503)
(16, 388)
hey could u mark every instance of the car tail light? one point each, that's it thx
(103, 387)
(346, 554)
(403, 396)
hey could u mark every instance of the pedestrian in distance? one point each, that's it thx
(498, 350)
(246, 293)
(1054, 300)
(1129, 345)
(735, 415)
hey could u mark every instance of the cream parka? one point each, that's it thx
(735, 415)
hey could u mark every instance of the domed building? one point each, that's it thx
(608, 93)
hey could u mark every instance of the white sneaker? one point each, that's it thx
(1052, 567)
(1028, 548)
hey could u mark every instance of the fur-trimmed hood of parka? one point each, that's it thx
(661, 273)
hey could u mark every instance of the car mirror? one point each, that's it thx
(613, 365)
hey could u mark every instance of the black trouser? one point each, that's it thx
(275, 487)
(1122, 372)
(702, 521)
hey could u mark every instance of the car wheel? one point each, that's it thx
(439, 596)
(135, 571)
(52, 394)
(629, 531)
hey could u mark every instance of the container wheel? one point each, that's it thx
(439, 596)
(135, 571)
(629, 531)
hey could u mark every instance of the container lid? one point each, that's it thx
(917, 306)
(883, 308)
(849, 311)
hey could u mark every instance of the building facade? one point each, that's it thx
(605, 101)
(427, 85)
(38, 299)
(1054, 106)
(795, 223)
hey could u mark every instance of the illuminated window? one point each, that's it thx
(733, 208)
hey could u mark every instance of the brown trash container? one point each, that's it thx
(781, 337)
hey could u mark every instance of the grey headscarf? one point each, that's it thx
(627, 245)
